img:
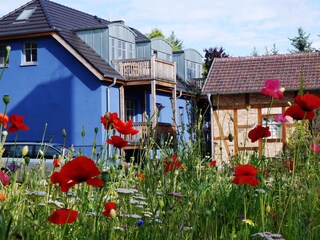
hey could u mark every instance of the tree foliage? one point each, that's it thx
(301, 42)
(175, 42)
(210, 55)
(155, 33)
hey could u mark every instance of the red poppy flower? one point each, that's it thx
(259, 132)
(288, 165)
(315, 148)
(3, 120)
(304, 107)
(308, 102)
(109, 120)
(211, 164)
(297, 113)
(272, 89)
(117, 141)
(245, 174)
(17, 123)
(4, 178)
(126, 128)
(172, 163)
(108, 207)
(63, 216)
(78, 170)
(56, 162)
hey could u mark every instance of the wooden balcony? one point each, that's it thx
(146, 69)
(161, 131)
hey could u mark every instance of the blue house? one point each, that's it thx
(67, 68)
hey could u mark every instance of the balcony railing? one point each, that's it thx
(146, 69)
(161, 131)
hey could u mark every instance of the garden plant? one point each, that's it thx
(174, 192)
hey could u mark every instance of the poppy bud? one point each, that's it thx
(8, 48)
(230, 137)
(96, 130)
(64, 133)
(113, 213)
(161, 203)
(107, 115)
(27, 160)
(83, 133)
(25, 150)
(268, 209)
(6, 99)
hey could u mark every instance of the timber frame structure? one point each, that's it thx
(233, 90)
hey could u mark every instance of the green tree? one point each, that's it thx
(255, 52)
(210, 55)
(155, 33)
(301, 43)
(172, 39)
(175, 42)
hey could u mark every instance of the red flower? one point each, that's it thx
(245, 174)
(126, 128)
(63, 216)
(78, 170)
(308, 102)
(211, 164)
(288, 165)
(117, 141)
(304, 107)
(56, 162)
(108, 207)
(172, 164)
(4, 178)
(272, 89)
(109, 120)
(3, 120)
(17, 123)
(297, 113)
(315, 148)
(259, 132)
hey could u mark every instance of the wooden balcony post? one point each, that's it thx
(154, 112)
(153, 67)
(122, 103)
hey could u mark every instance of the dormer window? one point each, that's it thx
(25, 14)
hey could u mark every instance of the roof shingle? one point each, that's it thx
(248, 74)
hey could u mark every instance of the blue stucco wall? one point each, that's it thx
(59, 91)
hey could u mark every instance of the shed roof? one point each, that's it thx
(248, 74)
(53, 17)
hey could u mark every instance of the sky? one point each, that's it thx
(238, 26)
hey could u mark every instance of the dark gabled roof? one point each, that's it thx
(49, 17)
(139, 36)
(248, 74)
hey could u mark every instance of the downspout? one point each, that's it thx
(180, 94)
(108, 92)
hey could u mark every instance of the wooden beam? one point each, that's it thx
(122, 103)
(235, 130)
(259, 110)
(154, 112)
(221, 132)
(284, 131)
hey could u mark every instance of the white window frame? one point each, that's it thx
(3, 55)
(30, 51)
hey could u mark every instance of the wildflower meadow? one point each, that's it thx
(174, 192)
